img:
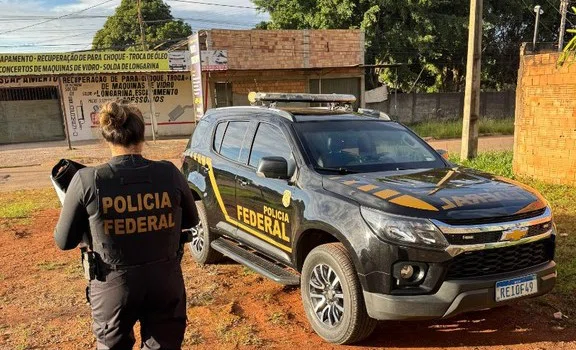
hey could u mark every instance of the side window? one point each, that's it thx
(198, 134)
(233, 138)
(269, 142)
(220, 128)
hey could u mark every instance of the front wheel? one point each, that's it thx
(200, 248)
(332, 296)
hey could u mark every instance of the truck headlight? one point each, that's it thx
(404, 230)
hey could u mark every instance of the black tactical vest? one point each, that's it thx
(139, 215)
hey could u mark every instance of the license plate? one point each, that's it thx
(516, 287)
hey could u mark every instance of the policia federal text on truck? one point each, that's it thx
(363, 214)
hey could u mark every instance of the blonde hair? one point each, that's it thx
(121, 123)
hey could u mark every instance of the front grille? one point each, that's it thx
(493, 261)
(493, 236)
(474, 238)
(494, 220)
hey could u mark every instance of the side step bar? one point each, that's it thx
(256, 263)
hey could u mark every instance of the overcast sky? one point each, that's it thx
(68, 34)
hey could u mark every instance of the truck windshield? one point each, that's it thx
(364, 146)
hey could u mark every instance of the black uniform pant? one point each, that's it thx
(153, 294)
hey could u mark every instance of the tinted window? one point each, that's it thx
(269, 142)
(233, 137)
(365, 146)
(198, 135)
(218, 136)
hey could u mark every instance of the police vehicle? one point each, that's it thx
(365, 216)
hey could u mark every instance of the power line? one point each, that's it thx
(57, 18)
(558, 10)
(214, 4)
(534, 15)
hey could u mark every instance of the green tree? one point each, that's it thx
(569, 52)
(428, 37)
(122, 30)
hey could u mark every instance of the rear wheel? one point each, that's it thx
(200, 248)
(332, 296)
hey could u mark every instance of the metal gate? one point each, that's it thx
(337, 86)
(30, 115)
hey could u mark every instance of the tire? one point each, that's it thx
(330, 262)
(200, 248)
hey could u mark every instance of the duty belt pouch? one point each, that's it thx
(89, 264)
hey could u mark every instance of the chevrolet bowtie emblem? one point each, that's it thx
(514, 234)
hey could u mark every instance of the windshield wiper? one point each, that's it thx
(341, 171)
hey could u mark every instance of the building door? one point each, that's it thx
(30, 115)
(223, 95)
(337, 86)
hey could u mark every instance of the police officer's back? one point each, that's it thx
(133, 210)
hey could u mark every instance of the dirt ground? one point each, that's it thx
(42, 307)
(42, 302)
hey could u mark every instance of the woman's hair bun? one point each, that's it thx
(112, 116)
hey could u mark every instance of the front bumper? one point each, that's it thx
(454, 297)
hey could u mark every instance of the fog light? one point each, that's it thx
(409, 273)
(406, 272)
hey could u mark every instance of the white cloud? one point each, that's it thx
(76, 34)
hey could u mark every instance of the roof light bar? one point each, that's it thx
(255, 97)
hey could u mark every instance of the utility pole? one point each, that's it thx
(149, 83)
(564, 12)
(472, 95)
(141, 22)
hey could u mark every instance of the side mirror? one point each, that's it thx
(443, 153)
(273, 168)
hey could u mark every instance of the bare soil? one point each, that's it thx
(42, 306)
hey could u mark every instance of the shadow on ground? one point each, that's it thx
(497, 327)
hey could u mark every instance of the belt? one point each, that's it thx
(116, 267)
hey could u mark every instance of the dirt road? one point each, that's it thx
(27, 166)
(42, 306)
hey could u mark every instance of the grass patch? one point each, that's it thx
(246, 271)
(453, 129)
(279, 318)
(231, 329)
(562, 199)
(50, 265)
(22, 204)
(497, 163)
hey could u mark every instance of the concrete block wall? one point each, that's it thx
(421, 107)
(288, 49)
(545, 133)
(30, 121)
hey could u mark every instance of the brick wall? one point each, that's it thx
(545, 134)
(290, 81)
(288, 49)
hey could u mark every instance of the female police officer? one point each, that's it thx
(133, 209)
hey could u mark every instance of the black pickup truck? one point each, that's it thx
(365, 216)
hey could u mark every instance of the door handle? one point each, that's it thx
(242, 183)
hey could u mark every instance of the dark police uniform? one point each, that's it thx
(134, 209)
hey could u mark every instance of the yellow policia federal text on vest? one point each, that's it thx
(139, 203)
